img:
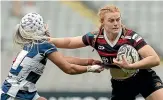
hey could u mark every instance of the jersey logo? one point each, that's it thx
(105, 60)
(136, 37)
(127, 37)
(39, 70)
(101, 47)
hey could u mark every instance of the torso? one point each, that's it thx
(108, 51)
(27, 68)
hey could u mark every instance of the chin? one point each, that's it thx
(116, 31)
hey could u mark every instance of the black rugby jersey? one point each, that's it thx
(106, 51)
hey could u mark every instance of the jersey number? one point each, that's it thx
(19, 59)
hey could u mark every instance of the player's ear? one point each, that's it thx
(102, 21)
(124, 29)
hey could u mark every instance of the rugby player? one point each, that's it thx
(111, 35)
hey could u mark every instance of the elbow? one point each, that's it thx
(70, 71)
(157, 61)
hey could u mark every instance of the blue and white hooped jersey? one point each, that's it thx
(27, 68)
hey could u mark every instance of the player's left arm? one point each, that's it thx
(149, 56)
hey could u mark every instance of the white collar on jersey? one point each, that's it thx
(115, 41)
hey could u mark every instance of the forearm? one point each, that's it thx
(79, 61)
(77, 69)
(146, 63)
(68, 42)
(60, 42)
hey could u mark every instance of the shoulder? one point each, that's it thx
(135, 39)
(46, 43)
(46, 47)
(89, 37)
(131, 34)
(92, 33)
(95, 34)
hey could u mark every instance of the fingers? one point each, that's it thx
(93, 62)
(99, 70)
(46, 26)
(124, 58)
(90, 61)
(116, 62)
(120, 62)
(96, 62)
(123, 63)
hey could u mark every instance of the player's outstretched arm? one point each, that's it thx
(72, 69)
(81, 61)
(68, 42)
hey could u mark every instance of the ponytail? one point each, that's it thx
(95, 40)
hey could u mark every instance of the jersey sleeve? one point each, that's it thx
(88, 39)
(138, 41)
(47, 48)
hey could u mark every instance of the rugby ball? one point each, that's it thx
(131, 55)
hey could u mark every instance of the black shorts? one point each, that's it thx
(144, 82)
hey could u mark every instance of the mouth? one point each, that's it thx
(115, 28)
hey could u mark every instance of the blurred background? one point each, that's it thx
(75, 18)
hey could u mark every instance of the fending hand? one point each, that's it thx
(94, 62)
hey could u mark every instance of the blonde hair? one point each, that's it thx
(101, 14)
(106, 9)
(21, 37)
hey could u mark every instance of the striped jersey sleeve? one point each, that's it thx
(138, 41)
(88, 39)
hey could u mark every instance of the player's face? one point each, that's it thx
(112, 22)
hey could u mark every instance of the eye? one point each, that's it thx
(118, 19)
(111, 20)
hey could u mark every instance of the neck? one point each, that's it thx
(111, 36)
